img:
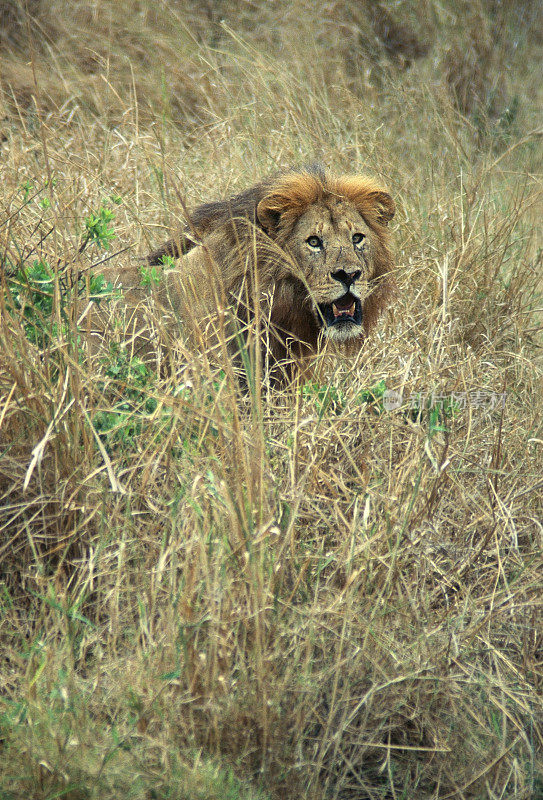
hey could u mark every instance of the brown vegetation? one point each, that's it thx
(314, 592)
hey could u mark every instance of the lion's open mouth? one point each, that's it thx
(345, 310)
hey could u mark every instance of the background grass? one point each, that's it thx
(295, 594)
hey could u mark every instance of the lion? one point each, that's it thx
(304, 252)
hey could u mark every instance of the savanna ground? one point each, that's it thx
(297, 593)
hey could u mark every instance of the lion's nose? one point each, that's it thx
(346, 278)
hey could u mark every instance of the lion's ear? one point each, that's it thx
(268, 213)
(371, 200)
(384, 206)
(287, 198)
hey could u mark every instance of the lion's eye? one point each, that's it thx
(358, 238)
(314, 242)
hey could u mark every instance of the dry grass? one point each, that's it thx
(295, 593)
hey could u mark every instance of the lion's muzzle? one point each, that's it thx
(342, 317)
(344, 312)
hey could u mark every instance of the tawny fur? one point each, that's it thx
(255, 245)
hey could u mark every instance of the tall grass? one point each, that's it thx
(296, 592)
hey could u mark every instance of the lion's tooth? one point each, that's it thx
(335, 310)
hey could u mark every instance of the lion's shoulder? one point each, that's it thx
(209, 216)
(229, 216)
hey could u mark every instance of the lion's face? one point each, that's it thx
(332, 245)
(335, 233)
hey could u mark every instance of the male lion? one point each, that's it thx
(304, 252)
